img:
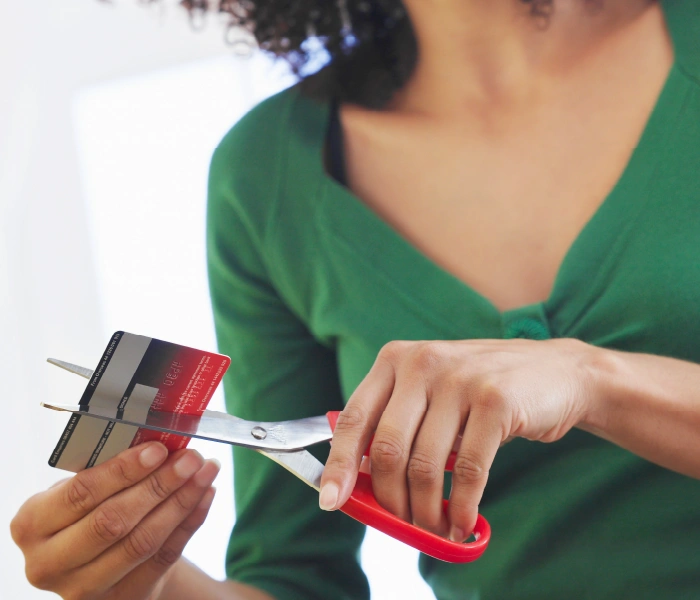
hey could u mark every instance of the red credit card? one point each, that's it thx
(162, 375)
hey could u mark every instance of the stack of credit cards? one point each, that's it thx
(137, 374)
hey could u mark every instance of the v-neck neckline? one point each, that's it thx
(386, 250)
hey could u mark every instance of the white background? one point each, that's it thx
(108, 117)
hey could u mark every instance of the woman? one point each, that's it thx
(515, 181)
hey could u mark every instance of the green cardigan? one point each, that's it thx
(308, 284)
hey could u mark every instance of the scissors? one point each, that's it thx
(285, 442)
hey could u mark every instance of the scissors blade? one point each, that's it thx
(301, 463)
(215, 426)
(70, 367)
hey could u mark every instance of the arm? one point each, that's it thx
(421, 399)
(649, 405)
(281, 543)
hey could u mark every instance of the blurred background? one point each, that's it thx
(109, 114)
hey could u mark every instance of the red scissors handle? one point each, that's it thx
(363, 507)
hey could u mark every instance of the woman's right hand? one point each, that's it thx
(113, 531)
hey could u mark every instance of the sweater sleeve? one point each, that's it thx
(281, 542)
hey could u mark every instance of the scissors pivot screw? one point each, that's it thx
(258, 433)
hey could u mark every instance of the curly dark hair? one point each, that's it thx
(370, 43)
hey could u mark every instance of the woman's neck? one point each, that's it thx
(488, 52)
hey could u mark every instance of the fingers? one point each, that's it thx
(352, 433)
(426, 467)
(117, 516)
(70, 500)
(150, 535)
(483, 436)
(416, 396)
(151, 519)
(148, 574)
(391, 447)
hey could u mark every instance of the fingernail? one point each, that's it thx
(207, 473)
(328, 497)
(188, 464)
(207, 499)
(457, 535)
(152, 455)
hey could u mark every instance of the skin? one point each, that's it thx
(117, 530)
(422, 396)
(521, 106)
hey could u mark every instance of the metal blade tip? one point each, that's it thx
(71, 368)
(64, 407)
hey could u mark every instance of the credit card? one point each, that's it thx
(137, 372)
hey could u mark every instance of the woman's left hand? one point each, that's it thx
(421, 400)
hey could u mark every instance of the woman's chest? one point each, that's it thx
(631, 280)
(499, 213)
(639, 291)
(497, 195)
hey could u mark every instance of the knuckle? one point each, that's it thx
(37, 575)
(350, 419)
(119, 470)
(19, 529)
(463, 513)
(427, 356)
(78, 591)
(387, 453)
(423, 470)
(157, 487)
(166, 556)
(493, 395)
(140, 544)
(79, 496)
(106, 525)
(341, 463)
(33, 576)
(393, 351)
(459, 506)
(184, 500)
(469, 469)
